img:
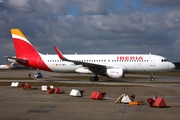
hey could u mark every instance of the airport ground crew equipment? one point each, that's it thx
(150, 101)
(76, 93)
(14, 84)
(45, 88)
(57, 91)
(97, 95)
(54, 90)
(156, 102)
(136, 103)
(27, 86)
(125, 98)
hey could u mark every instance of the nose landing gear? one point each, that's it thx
(151, 77)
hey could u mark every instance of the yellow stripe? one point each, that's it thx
(8, 66)
(17, 32)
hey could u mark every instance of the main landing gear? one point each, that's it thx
(95, 78)
(151, 77)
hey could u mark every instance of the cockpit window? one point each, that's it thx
(164, 60)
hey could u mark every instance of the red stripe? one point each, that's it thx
(24, 50)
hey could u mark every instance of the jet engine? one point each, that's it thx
(115, 73)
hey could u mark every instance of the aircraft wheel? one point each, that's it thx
(96, 78)
(92, 79)
(151, 79)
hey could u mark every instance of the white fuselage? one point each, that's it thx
(109, 65)
(128, 62)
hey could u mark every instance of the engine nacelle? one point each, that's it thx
(115, 73)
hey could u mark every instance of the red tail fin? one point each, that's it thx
(26, 54)
(22, 45)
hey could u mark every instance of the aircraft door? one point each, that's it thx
(152, 61)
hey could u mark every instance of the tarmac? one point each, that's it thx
(19, 104)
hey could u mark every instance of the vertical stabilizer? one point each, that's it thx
(22, 45)
(26, 54)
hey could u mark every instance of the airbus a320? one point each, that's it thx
(109, 65)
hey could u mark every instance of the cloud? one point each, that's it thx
(20, 5)
(94, 7)
(163, 3)
(94, 29)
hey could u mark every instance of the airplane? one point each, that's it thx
(109, 65)
(13, 66)
(5, 67)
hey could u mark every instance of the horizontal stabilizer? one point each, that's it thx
(14, 59)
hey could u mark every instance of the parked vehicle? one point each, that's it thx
(38, 75)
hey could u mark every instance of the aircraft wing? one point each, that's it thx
(92, 66)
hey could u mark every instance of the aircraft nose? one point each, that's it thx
(171, 66)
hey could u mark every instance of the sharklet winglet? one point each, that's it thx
(59, 53)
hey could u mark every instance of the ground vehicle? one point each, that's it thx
(38, 75)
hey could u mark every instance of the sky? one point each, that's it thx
(93, 26)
